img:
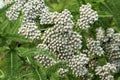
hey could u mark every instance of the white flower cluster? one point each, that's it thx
(63, 43)
(33, 8)
(100, 34)
(62, 72)
(87, 16)
(44, 60)
(15, 9)
(64, 18)
(94, 47)
(61, 39)
(112, 46)
(8, 1)
(48, 17)
(59, 19)
(105, 71)
(30, 9)
(78, 64)
(29, 30)
(42, 46)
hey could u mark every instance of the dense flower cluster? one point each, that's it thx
(62, 72)
(64, 42)
(94, 47)
(44, 60)
(30, 10)
(87, 16)
(6, 2)
(48, 17)
(42, 46)
(59, 19)
(61, 39)
(14, 11)
(29, 30)
(100, 34)
(105, 71)
(111, 44)
(78, 64)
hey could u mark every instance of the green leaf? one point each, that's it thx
(2, 75)
(54, 68)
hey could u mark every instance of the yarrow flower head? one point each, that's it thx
(62, 72)
(44, 60)
(48, 17)
(42, 46)
(64, 43)
(105, 71)
(30, 10)
(6, 2)
(14, 11)
(100, 34)
(61, 39)
(59, 19)
(78, 64)
(87, 16)
(112, 47)
(94, 47)
(29, 30)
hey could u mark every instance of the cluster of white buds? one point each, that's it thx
(33, 8)
(59, 19)
(62, 72)
(105, 71)
(45, 60)
(61, 39)
(29, 30)
(112, 47)
(110, 32)
(48, 17)
(64, 18)
(100, 34)
(87, 16)
(78, 64)
(30, 9)
(14, 11)
(63, 43)
(92, 61)
(6, 2)
(42, 46)
(94, 47)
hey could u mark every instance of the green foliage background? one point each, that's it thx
(16, 52)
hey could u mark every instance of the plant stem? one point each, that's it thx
(11, 66)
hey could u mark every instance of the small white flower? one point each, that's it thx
(77, 64)
(44, 60)
(105, 71)
(87, 16)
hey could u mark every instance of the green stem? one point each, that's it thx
(11, 63)
(2, 74)
(38, 74)
(105, 16)
(24, 76)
